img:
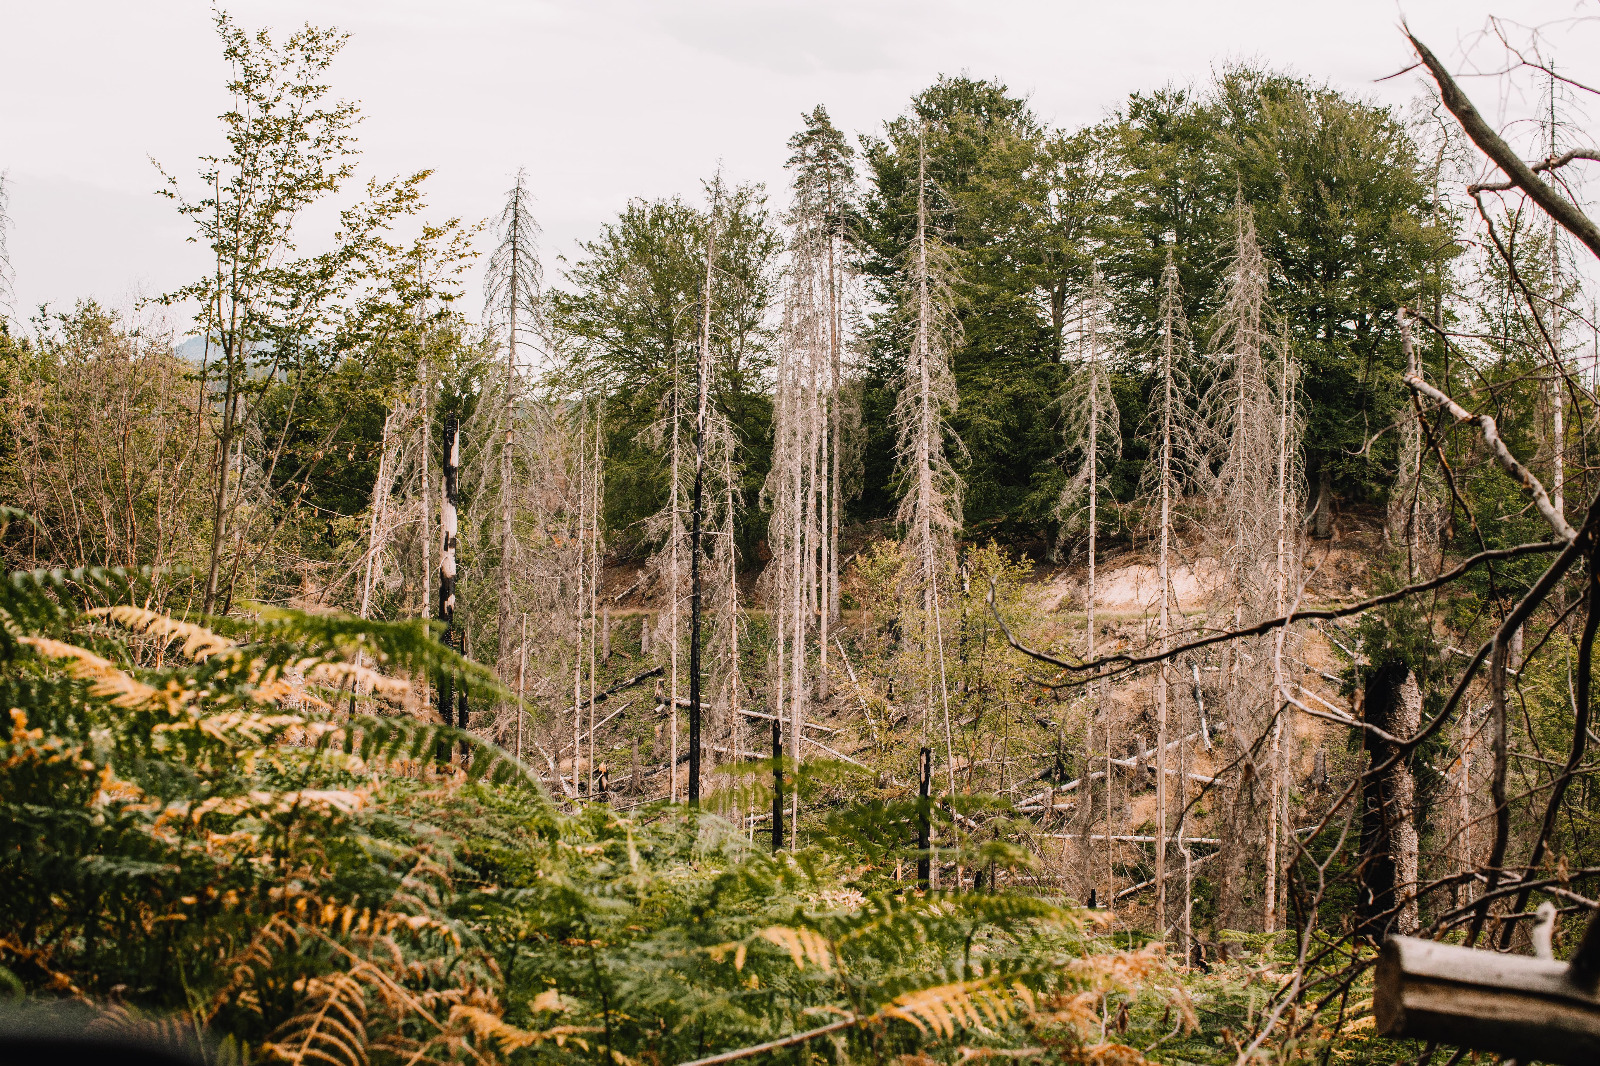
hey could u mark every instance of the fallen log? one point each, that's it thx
(1532, 1009)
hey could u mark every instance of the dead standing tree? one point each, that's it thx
(667, 527)
(8, 292)
(512, 310)
(802, 488)
(1093, 430)
(792, 577)
(1178, 447)
(702, 379)
(824, 191)
(930, 504)
(1245, 410)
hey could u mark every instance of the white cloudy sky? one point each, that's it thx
(602, 100)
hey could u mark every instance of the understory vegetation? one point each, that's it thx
(1059, 596)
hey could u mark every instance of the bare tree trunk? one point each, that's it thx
(507, 451)
(777, 785)
(925, 865)
(672, 639)
(522, 679)
(735, 682)
(1465, 863)
(1166, 475)
(1280, 753)
(577, 613)
(594, 588)
(447, 556)
(1558, 386)
(425, 432)
(1403, 798)
(702, 376)
(1163, 631)
(797, 646)
(219, 511)
(1111, 872)
(826, 537)
(836, 383)
(1322, 514)
(380, 499)
(1388, 836)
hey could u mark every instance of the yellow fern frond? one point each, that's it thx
(803, 945)
(945, 1009)
(337, 675)
(332, 1029)
(737, 948)
(198, 641)
(490, 1026)
(239, 728)
(107, 679)
(549, 1000)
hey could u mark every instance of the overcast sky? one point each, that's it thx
(603, 100)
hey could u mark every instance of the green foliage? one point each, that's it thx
(194, 836)
(1347, 217)
(632, 314)
(180, 835)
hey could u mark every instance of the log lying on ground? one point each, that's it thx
(1533, 1009)
(628, 683)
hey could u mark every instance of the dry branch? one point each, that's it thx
(1494, 146)
(1508, 462)
(1125, 662)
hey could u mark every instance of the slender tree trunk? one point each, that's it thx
(797, 640)
(777, 785)
(924, 819)
(924, 532)
(380, 498)
(702, 375)
(577, 612)
(1464, 865)
(594, 590)
(1403, 798)
(836, 384)
(507, 454)
(1111, 873)
(1558, 426)
(735, 677)
(522, 676)
(425, 432)
(219, 510)
(1280, 753)
(1164, 580)
(825, 538)
(448, 501)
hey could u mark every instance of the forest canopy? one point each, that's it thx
(1100, 595)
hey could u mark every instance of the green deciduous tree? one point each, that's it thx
(631, 312)
(271, 314)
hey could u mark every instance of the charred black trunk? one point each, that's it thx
(449, 500)
(924, 819)
(1376, 899)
